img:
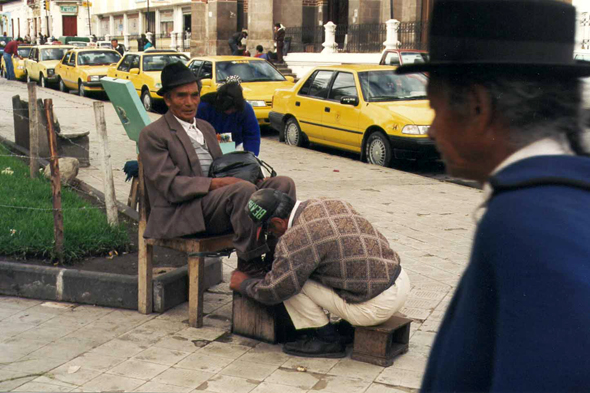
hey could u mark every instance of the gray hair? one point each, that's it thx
(535, 107)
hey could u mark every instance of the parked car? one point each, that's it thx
(66, 40)
(144, 70)
(259, 79)
(18, 64)
(397, 57)
(40, 65)
(366, 109)
(79, 44)
(82, 69)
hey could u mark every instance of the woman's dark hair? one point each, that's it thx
(259, 48)
(278, 25)
(229, 96)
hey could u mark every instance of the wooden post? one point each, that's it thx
(33, 130)
(58, 221)
(145, 252)
(109, 185)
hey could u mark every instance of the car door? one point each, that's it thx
(136, 79)
(341, 121)
(310, 103)
(206, 72)
(194, 66)
(68, 63)
(33, 63)
(122, 71)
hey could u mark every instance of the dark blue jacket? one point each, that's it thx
(520, 318)
(243, 126)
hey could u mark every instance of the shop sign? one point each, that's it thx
(68, 9)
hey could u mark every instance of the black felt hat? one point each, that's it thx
(515, 36)
(174, 75)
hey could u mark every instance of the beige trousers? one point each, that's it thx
(306, 309)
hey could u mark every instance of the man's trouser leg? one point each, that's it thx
(234, 49)
(9, 66)
(224, 211)
(280, 52)
(306, 309)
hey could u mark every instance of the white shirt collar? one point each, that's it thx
(292, 216)
(192, 130)
(186, 125)
(543, 147)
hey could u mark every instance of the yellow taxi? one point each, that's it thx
(81, 69)
(41, 63)
(144, 69)
(366, 109)
(259, 79)
(18, 64)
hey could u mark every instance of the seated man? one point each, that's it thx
(228, 112)
(328, 257)
(176, 151)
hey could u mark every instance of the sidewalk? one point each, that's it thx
(66, 347)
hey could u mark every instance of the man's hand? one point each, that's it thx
(222, 182)
(237, 277)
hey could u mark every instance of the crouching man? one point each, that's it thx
(328, 257)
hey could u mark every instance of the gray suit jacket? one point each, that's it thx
(173, 177)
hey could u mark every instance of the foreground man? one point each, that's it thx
(177, 151)
(328, 257)
(507, 98)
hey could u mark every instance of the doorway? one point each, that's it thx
(70, 25)
(338, 14)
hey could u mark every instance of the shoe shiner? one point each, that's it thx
(328, 257)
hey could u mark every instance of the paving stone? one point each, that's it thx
(266, 354)
(112, 383)
(204, 333)
(11, 380)
(119, 348)
(293, 378)
(340, 384)
(401, 378)
(266, 387)
(62, 351)
(41, 387)
(138, 369)
(68, 376)
(204, 362)
(381, 388)
(32, 365)
(161, 387)
(10, 329)
(95, 361)
(227, 384)
(183, 377)
(161, 356)
(411, 361)
(249, 370)
(355, 369)
(231, 351)
(177, 343)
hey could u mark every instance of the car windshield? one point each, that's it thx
(98, 58)
(387, 86)
(24, 52)
(158, 62)
(414, 57)
(53, 53)
(248, 71)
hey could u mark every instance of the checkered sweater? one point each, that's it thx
(331, 243)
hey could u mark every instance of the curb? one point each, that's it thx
(96, 288)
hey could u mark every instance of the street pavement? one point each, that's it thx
(46, 346)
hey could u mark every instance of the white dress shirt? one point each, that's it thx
(192, 130)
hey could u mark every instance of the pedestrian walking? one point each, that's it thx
(10, 51)
(508, 113)
(235, 42)
(280, 41)
(118, 47)
(328, 257)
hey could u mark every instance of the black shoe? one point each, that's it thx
(314, 347)
(346, 331)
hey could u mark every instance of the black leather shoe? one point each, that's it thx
(346, 331)
(314, 347)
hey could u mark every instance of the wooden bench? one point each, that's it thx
(381, 343)
(196, 248)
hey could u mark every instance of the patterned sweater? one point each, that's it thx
(331, 243)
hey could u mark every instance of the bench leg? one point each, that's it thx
(144, 277)
(196, 270)
(133, 200)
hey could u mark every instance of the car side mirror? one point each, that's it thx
(134, 71)
(290, 78)
(207, 82)
(349, 100)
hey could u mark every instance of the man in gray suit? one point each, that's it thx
(177, 151)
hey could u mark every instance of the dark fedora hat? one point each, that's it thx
(503, 36)
(174, 75)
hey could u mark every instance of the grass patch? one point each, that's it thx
(28, 233)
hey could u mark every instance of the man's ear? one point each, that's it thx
(480, 108)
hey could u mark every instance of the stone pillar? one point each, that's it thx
(158, 29)
(43, 24)
(330, 45)
(391, 42)
(111, 25)
(140, 23)
(126, 31)
(213, 22)
(98, 28)
(177, 32)
(199, 31)
(260, 23)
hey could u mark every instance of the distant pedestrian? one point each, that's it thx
(508, 113)
(118, 47)
(94, 39)
(280, 40)
(141, 41)
(10, 51)
(148, 44)
(260, 52)
(235, 42)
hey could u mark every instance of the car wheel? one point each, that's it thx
(62, 86)
(42, 81)
(147, 101)
(378, 149)
(81, 91)
(293, 134)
